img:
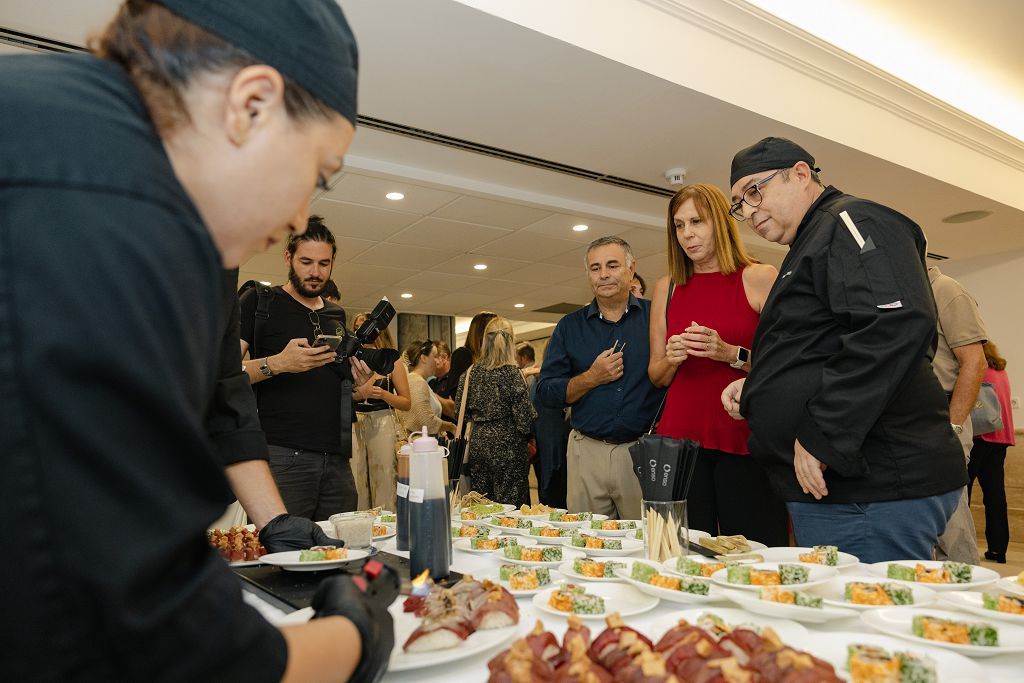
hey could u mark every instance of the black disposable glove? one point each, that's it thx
(363, 600)
(287, 532)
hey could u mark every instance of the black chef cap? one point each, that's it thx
(766, 155)
(309, 41)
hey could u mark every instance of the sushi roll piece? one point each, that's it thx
(523, 581)
(507, 570)
(688, 566)
(524, 524)
(980, 633)
(808, 600)
(579, 540)
(900, 595)
(551, 554)
(587, 604)
(642, 572)
(764, 577)
(871, 664)
(506, 541)
(672, 583)
(860, 593)
(901, 572)
(561, 600)
(593, 542)
(639, 534)
(1003, 603)
(514, 552)
(584, 516)
(389, 518)
(612, 544)
(485, 543)
(695, 587)
(739, 573)
(543, 575)
(536, 555)
(938, 575)
(915, 668)
(610, 567)
(312, 555)
(960, 572)
(792, 573)
(830, 553)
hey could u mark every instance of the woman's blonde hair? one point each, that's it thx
(499, 344)
(712, 207)
(992, 357)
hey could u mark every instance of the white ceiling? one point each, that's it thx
(445, 67)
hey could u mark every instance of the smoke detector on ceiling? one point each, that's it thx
(675, 176)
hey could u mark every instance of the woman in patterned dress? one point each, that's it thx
(499, 407)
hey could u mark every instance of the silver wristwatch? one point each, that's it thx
(742, 356)
(958, 429)
(265, 369)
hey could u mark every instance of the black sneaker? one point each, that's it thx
(998, 558)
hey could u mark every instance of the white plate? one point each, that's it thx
(816, 574)
(476, 643)
(1010, 585)
(555, 579)
(897, 622)
(980, 576)
(629, 547)
(392, 531)
(778, 554)
(970, 601)
(463, 544)
(715, 594)
(568, 554)
(615, 533)
(790, 632)
(566, 569)
(576, 525)
(951, 667)
(617, 598)
(834, 593)
(290, 560)
(245, 563)
(812, 615)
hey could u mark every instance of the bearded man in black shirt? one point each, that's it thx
(302, 393)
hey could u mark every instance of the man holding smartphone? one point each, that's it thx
(303, 396)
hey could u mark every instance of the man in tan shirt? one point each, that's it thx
(959, 364)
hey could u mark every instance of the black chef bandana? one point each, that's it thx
(766, 155)
(309, 41)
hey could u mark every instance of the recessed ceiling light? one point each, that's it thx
(582, 227)
(520, 305)
(481, 266)
(966, 216)
(265, 282)
(406, 295)
(395, 196)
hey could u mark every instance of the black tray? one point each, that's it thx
(296, 589)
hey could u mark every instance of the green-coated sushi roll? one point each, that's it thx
(612, 544)
(514, 552)
(793, 573)
(695, 587)
(642, 572)
(831, 553)
(981, 633)
(507, 570)
(588, 604)
(739, 573)
(915, 668)
(688, 566)
(807, 600)
(960, 572)
(901, 572)
(551, 554)
(900, 595)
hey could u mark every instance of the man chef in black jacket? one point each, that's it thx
(128, 183)
(845, 412)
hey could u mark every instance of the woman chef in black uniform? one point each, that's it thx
(127, 182)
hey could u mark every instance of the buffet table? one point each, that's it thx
(652, 623)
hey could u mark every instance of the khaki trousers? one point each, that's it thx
(959, 542)
(601, 478)
(374, 461)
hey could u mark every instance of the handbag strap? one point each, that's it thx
(668, 300)
(462, 405)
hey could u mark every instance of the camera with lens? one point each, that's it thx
(352, 345)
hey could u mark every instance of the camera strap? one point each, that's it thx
(264, 295)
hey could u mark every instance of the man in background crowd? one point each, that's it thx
(845, 411)
(959, 364)
(526, 358)
(304, 397)
(596, 362)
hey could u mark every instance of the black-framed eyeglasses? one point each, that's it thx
(314, 319)
(751, 197)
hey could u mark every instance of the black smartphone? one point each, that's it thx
(328, 340)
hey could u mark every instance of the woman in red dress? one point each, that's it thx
(699, 347)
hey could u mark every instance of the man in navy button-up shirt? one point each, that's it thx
(596, 363)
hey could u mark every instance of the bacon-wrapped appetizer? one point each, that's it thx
(616, 647)
(579, 668)
(519, 664)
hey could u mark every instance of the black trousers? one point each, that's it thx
(554, 492)
(986, 466)
(313, 485)
(730, 495)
